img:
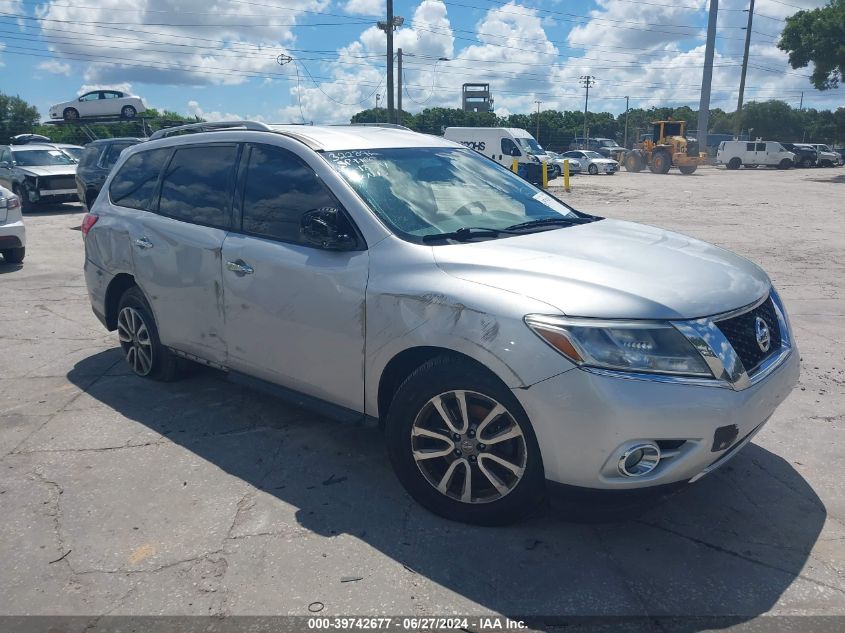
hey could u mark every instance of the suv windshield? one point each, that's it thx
(41, 158)
(421, 192)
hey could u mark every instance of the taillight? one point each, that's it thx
(13, 202)
(88, 221)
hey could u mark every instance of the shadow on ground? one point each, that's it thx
(728, 546)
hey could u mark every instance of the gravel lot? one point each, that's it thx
(124, 496)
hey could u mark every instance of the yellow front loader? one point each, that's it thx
(668, 147)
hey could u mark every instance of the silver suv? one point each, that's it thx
(506, 342)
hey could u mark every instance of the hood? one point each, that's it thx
(613, 270)
(48, 170)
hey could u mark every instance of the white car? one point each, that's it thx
(99, 103)
(827, 157)
(595, 162)
(575, 166)
(12, 231)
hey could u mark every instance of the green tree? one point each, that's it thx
(16, 117)
(817, 36)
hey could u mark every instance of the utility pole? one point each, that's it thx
(801, 104)
(378, 96)
(538, 119)
(587, 81)
(707, 77)
(399, 86)
(738, 124)
(625, 143)
(388, 26)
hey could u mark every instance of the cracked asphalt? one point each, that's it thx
(126, 497)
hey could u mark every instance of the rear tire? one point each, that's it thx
(688, 169)
(806, 162)
(70, 114)
(128, 112)
(139, 340)
(13, 255)
(785, 164)
(416, 424)
(734, 163)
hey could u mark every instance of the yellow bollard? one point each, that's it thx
(545, 175)
(566, 176)
(515, 166)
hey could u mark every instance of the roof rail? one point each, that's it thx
(394, 126)
(210, 126)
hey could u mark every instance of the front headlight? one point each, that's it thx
(635, 346)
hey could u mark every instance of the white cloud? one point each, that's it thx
(145, 42)
(2, 46)
(194, 109)
(365, 7)
(55, 67)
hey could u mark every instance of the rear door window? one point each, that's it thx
(280, 187)
(197, 184)
(134, 185)
(749, 147)
(761, 147)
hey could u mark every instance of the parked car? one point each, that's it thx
(827, 157)
(74, 151)
(595, 162)
(805, 155)
(12, 231)
(99, 103)
(507, 342)
(23, 139)
(607, 147)
(96, 163)
(735, 154)
(558, 159)
(841, 152)
(38, 173)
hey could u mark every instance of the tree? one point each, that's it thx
(817, 36)
(16, 117)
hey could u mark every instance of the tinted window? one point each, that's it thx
(112, 153)
(749, 147)
(280, 187)
(89, 155)
(197, 184)
(508, 146)
(761, 147)
(5, 156)
(135, 183)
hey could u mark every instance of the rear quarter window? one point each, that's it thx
(134, 185)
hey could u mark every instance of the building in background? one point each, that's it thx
(476, 98)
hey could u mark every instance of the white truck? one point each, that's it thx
(503, 144)
(735, 154)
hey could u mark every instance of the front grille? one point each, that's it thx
(742, 334)
(57, 182)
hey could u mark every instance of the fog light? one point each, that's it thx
(639, 460)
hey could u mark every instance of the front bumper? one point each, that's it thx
(584, 421)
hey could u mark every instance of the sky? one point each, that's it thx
(220, 59)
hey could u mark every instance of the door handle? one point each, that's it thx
(240, 267)
(143, 242)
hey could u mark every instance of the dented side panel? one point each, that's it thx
(414, 304)
(181, 276)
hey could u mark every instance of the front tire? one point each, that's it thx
(139, 340)
(593, 170)
(634, 162)
(734, 163)
(688, 169)
(462, 446)
(13, 255)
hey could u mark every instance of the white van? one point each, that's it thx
(499, 144)
(735, 154)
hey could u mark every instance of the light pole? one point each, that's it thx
(587, 81)
(388, 26)
(538, 102)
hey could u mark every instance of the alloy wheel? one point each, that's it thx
(469, 447)
(134, 336)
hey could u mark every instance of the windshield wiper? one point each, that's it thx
(467, 233)
(541, 222)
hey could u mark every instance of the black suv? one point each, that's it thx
(96, 163)
(805, 155)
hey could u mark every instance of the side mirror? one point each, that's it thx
(515, 152)
(4, 164)
(320, 228)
